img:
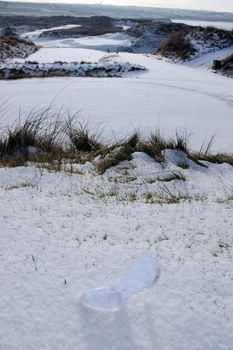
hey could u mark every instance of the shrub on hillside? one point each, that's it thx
(83, 138)
(177, 45)
(33, 138)
(12, 46)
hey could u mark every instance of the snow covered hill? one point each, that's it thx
(11, 46)
(174, 97)
(190, 44)
(69, 226)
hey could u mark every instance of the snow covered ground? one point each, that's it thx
(105, 42)
(206, 60)
(167, 95)
(34, 35)
(63, 233)
(110, 42)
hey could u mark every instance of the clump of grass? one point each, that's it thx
(158, 198)
(119, 153)
(84, 141)
(165, 197)
(200, 197)
(20, 186)
(177, 45)
(155, 145)
(83, 138)
(181, 142)
(46, 138)
(205, 154)
(228, 199)
(171, 177)
(19, 138)
(219, 158)
(223, 245)
(100, 193)
(122, 179)
(35, 138)
(130, 197)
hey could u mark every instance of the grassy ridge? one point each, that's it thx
(47, 137)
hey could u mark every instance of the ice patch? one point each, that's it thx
(142, 275)
(141, 156)
(179, 158)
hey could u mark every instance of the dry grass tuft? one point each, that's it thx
(155, 145)
(46, 137)
(177, 46)
(118, 153)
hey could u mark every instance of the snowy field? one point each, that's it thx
(167, 95)
(65, 232)
(34, 35)
(104, 42)
(206, 60)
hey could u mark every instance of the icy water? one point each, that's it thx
(217, 24)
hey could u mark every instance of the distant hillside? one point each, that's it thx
(11, 46)
(52, 9)
(194, 41)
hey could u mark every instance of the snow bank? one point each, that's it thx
(28, 69)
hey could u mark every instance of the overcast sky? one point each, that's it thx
(212, 5)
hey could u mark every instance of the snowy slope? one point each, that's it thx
(172, 96)
(106, 42)
(59, 240)
(12, 46)
(34, 35)
(206, 60)
(64, 233)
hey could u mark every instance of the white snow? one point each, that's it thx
(57, 241)
(106, 42)
(102, 42)
(64, 233)
(34, 35)
(206, 60)
(45, 55)
(173, 97)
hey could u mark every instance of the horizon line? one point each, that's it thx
(70, 2)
